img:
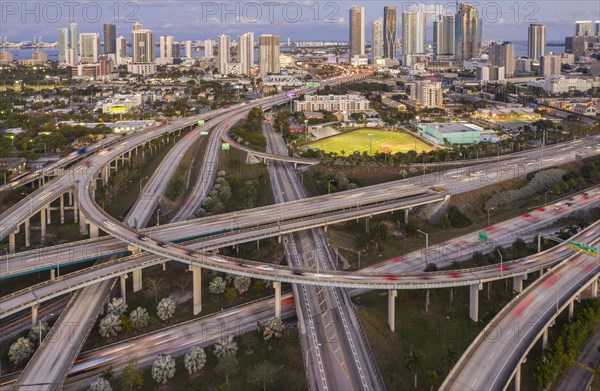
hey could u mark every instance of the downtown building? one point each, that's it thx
(223, 53)
(268, 54)
(414, 25)
(376, 40)
(427, 94)
(357, 31)
(143, 55)
(536, 42)
(389, 32)
(443, 35)
(245, 53)
(550, 66)
(467, 33)
(121, 50)
(503, 55)
(350, 103)
(110, 39)
(89, 48)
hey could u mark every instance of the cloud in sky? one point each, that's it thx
(299, 20)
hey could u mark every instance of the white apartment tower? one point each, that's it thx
(224, 56)
(89, 48)
(208, 48)
(377, 40)
(443, 35)
(536, 41)
(268, 54)
(166, 46)
(413, 35)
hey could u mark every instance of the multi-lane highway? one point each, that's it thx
(493, 358)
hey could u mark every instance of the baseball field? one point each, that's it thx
(359, 140)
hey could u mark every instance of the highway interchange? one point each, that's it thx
(454, 181)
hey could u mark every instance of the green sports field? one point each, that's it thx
(358, 140)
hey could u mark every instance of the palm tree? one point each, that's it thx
(414, 362)
(433, 379)
(449, 358)
(264, 373)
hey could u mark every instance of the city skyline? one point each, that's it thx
(559, 22)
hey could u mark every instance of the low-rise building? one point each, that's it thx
(455, 133)
(560, 85)
(119, 104)
(350, 103)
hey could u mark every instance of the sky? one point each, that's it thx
(300, 20)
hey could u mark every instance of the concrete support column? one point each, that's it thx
(518, 378)
(405, 216)
(43, 224)
(62, 208)
(571, 309)
(594, 289)
(11, 243)
(474, 302)
(27, 232)
(83, 230)
(123, 281)
(75, 213)
(197, 288)
(277, 287)
(94, 231)
(48, 214)
(137, 280)
(52, 274)
(518, 283)
(392, 294)
(70, 195)
(34, 314)
(545, 338)
(541, 272)
(366, 225)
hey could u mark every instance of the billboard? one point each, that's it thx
(117, 109)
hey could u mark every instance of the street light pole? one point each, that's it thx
(308, 354)
(426, 242)
(158, 217)
(306, 129)
(370, 144)
(557, 287)
(488, 214)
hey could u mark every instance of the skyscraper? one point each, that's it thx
(443, 35)
(550, 66)
(357, 31)
(537, 41)
(584, 28)
(597, 24)
(208, 48)
(142, 51)
(246, 52)
(110, 38)
(63, 45)
(268, 54)
(413, 35)
(467, 32)
(89, 48)
(389, 32)
(377, 40)
(121, 50)
(74, 44)
(166, 46)
(137, 26)
(224, 55)
(188, 49)
(503, 55)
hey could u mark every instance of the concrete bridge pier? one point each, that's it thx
(48, 214)
(474, 302)
(83, 230)
(11, 243)
(406, 215)
(27, 232)
(123, 283)
(43, 215)
(594, 289)
(277, 287)
(517, 378)
(392, 294)
(197, 288)
(137, 280)
(62, 208)
(571, 309)
(94, 231)
(518, 283)
(545, 338)
(34, 314)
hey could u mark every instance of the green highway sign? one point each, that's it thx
(483, 236)
(225, 147)
(586, 248)
(313, 84)
(204, 133)
(201, 122)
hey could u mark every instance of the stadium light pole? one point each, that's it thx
(370, 144)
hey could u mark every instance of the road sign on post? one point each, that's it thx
(483, 236)
(225, 147)
(204, 133)
(586, 248)
(313, 84)
(201, 122)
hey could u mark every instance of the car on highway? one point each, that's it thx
(163, 244)
(109, 223)
(265, 268)
(144, 238)
(321, 275)
(298, 272)
(193, 254)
